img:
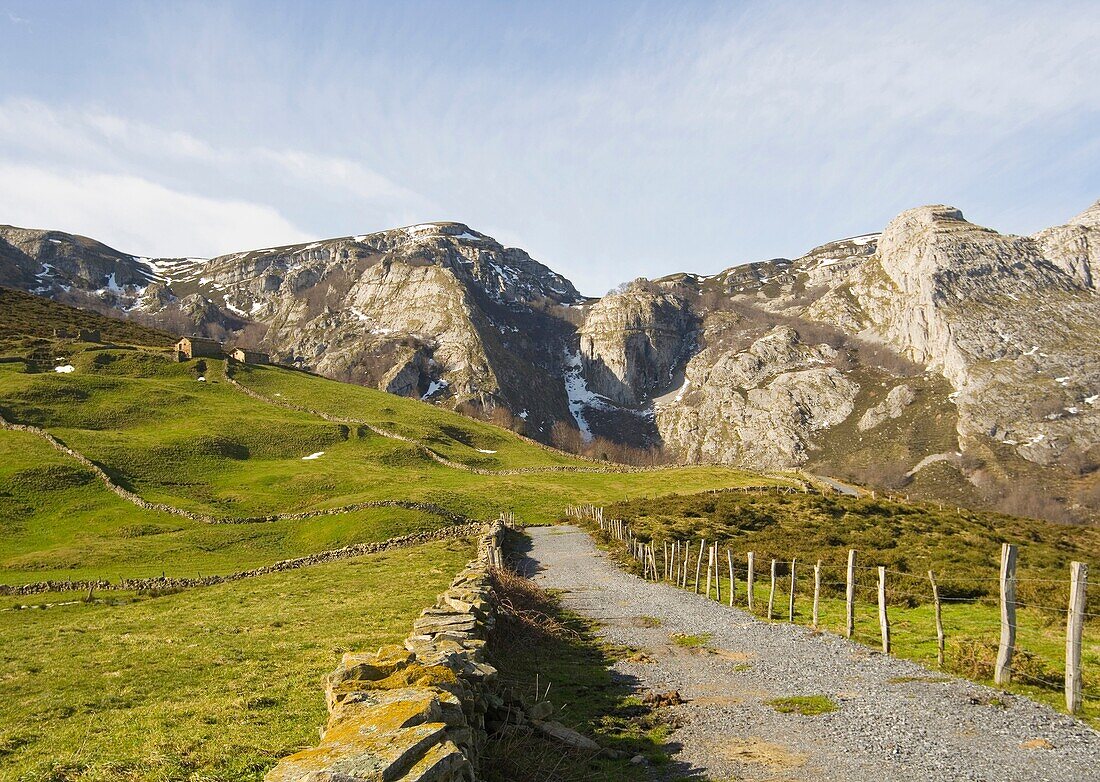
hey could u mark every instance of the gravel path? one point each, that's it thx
(888, 725)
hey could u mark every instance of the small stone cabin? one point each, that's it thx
(198, 347)
(89, 335)
(250, 356)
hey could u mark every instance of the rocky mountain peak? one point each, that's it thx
(1090, 218)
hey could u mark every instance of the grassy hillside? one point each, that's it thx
(181, 435)
(884, 454)
(460, 439)
(908, 538)
(211, 684)
(25, 317)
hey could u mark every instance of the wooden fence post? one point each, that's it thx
(790, 605)
(771, 593)
(883, 619)
(699, 564)
(750, 581)
(710, 566)
(717, 575)
(733, 590)
(817, 590)
(939, 618)
(1002, 674)
(1079, 576)
(850, 595)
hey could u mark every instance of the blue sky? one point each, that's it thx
(610, 140)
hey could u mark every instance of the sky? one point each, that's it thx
(609, 140)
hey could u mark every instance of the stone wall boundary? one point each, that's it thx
(172, 582)
(415, 712)
(141, 502)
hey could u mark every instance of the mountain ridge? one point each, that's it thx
(759, 365)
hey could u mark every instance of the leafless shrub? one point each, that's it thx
(622, 453)
(251, 336)
(524, 614)
(1081, 462)
(1027, 498)
(886, 359)
(565, 437)
(1090, 496)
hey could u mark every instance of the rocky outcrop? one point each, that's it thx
(57, 262)
(892, 406)
(1014, 332)
(411, 310)
(1075, 247)
(758, 365)
(760, 406)
(632, 342)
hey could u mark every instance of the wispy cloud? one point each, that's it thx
(138, 216)
(73, 169)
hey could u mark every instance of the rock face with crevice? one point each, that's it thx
(632, 342)
(759, 405)
(781, 355)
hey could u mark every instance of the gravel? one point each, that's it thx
(887, 726)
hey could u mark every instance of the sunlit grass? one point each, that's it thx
(211, 683)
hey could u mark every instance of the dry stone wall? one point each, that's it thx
(131, 497)
(138, 584)
(598, 466)
(414, 713)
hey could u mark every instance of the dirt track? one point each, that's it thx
(896, 720)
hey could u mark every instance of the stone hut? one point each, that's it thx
(198, 347)
(89, 335)
(250, 356)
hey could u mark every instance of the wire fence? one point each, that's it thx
(1024, 653)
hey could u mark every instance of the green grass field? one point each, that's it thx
(207, 684)
(217, 683)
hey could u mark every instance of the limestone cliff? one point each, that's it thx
(632, 341)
